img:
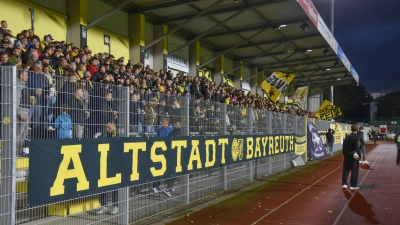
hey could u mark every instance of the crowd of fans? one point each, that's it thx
(70, 85)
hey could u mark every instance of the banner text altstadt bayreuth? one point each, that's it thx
(65, 169)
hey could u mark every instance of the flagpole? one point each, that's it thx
(332, 28)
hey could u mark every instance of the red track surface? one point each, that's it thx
(313, 195)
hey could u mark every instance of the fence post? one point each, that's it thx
(9, 144)
(305, 122)
(223, 170)
(185, 132)
(284, 115)
(249, 120)
(123, 193)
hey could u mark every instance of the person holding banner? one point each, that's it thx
(351, 152)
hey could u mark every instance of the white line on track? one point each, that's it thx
(352, 195)
(287, 201)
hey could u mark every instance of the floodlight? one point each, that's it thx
(304, 26)
(336, 64)
(279, 26)
(326, 52)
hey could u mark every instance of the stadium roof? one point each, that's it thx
(270, 35)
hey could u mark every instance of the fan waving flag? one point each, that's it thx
(300, 95)
(327, 111)
(275, 84)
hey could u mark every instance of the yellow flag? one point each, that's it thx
(300, 95)
(327, 111)
(275, 84)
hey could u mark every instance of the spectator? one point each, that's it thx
(5, 46)
(136, 114)
(360, 134)
(47, 40)
(50, 95)
(78, 114)
(109, 108)
(3, 27)
(150, 118)
(163, 131)
(110, 132)
(22, 110)
(63, 124)
(176, 132)
(4, 59)
(173, 112)
(15, 58)
(330, 140)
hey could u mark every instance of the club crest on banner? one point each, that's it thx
(237, 149)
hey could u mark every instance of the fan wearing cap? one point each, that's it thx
(86, 78)
(47, 39)
(7, 36)
(5, 46)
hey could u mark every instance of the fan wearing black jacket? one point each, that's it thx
(351, 145)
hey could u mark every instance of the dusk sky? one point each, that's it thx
(369, 33)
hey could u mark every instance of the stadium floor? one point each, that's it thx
(313, 195)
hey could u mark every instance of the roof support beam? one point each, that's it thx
(280, 40)
(255, 27)
(236, 7)
(108, 14)
(307, 60)
(321, 75)
(181, 25)
(266, 69)
(207, 32)
(165, 4)
(283, 52)
(258, 56)
(233, 47)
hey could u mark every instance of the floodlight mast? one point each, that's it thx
(332, 29)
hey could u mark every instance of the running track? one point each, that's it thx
(313, 196)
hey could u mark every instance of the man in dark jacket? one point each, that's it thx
(136, 116)
(78, 114)
(397, 141)
(360, 134)
(351, 145)
(330, 140)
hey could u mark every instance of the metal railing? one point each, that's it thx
(44, 106)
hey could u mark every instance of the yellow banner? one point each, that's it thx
(327, 111)
(300, 95)
(275, 84)
(300, 145)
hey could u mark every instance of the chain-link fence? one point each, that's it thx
(45, 106)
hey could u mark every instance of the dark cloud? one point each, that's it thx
(368, 32)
